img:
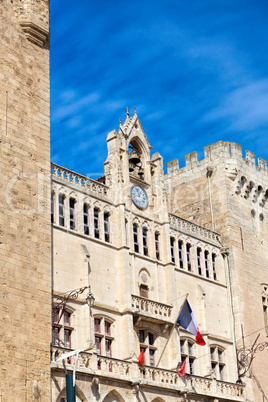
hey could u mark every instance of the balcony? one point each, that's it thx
(151, 310)
(131, 373)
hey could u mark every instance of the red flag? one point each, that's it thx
(141, 358)
(199, 339)
(181, 370)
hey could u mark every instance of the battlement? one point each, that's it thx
(230, 151)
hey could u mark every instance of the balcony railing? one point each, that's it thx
(68, 176)
(152, 308)
(131, 371)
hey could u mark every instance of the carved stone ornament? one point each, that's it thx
(33, 32)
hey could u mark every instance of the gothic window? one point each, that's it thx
(188, 254)
(145, 240)
(106, 227)
(136, 237)
(147, 341)
(199, 265)
(61, 210)
(72, 213)
(52, 206)
(214, 266)
(187, 353)
(207, 263)
(96, 223)
(217, 361)
(157, 246)
(103, 338)
(62, 328)
(86, 219)
(180, 245)
(172, 249)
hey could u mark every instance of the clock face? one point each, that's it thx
(139, 197)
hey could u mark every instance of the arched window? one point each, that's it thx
(187, 353)
(217, 361)
(199, 264)
(157, 245)
(86, 219)
(96, 223)
(136, 238)
(61, 210)
(147, 341)
(145, 241)
(72, 213)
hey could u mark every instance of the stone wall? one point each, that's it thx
(228, 194)
(25, 233)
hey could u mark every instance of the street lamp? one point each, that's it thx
(90, 299)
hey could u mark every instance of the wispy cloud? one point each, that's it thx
(196, 71)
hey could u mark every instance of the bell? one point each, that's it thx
(140, 173)
(131, 169)
(134, 157)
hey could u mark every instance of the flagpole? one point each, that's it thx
(172, 329)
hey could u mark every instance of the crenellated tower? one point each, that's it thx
(228, 193)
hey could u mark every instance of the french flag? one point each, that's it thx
(187, 321)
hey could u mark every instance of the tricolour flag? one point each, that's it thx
(181, 370)
(187, 321)
(141, 358)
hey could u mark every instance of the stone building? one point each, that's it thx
(136, 239)
(142, 240)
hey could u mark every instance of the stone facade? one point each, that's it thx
(141, 258)
(138, 240)
(25, 232)
(229, 194)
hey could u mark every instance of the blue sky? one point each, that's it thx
(195, 70)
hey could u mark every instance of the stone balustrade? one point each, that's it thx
(115, 366)
(131, 371)
(93, 186)
(151, 306)
(159, 375)
(84, 358)
(191, 228)
(208, 386)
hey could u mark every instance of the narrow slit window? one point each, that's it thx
(214, 267)
(172, 249)
(157, 246)
(61, 210)
(136, 237)
(106, 227)
(72, 213)
(52, 206)
(145, 241)
(199, 266)
(207, 264)
(86, 219)
(96, 223)
(180, 245)
(188, 254)
(126, 230)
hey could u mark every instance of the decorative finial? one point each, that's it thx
(119, 122)
(135, 111)
(127, 113)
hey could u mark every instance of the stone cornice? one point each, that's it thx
(33, 32)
